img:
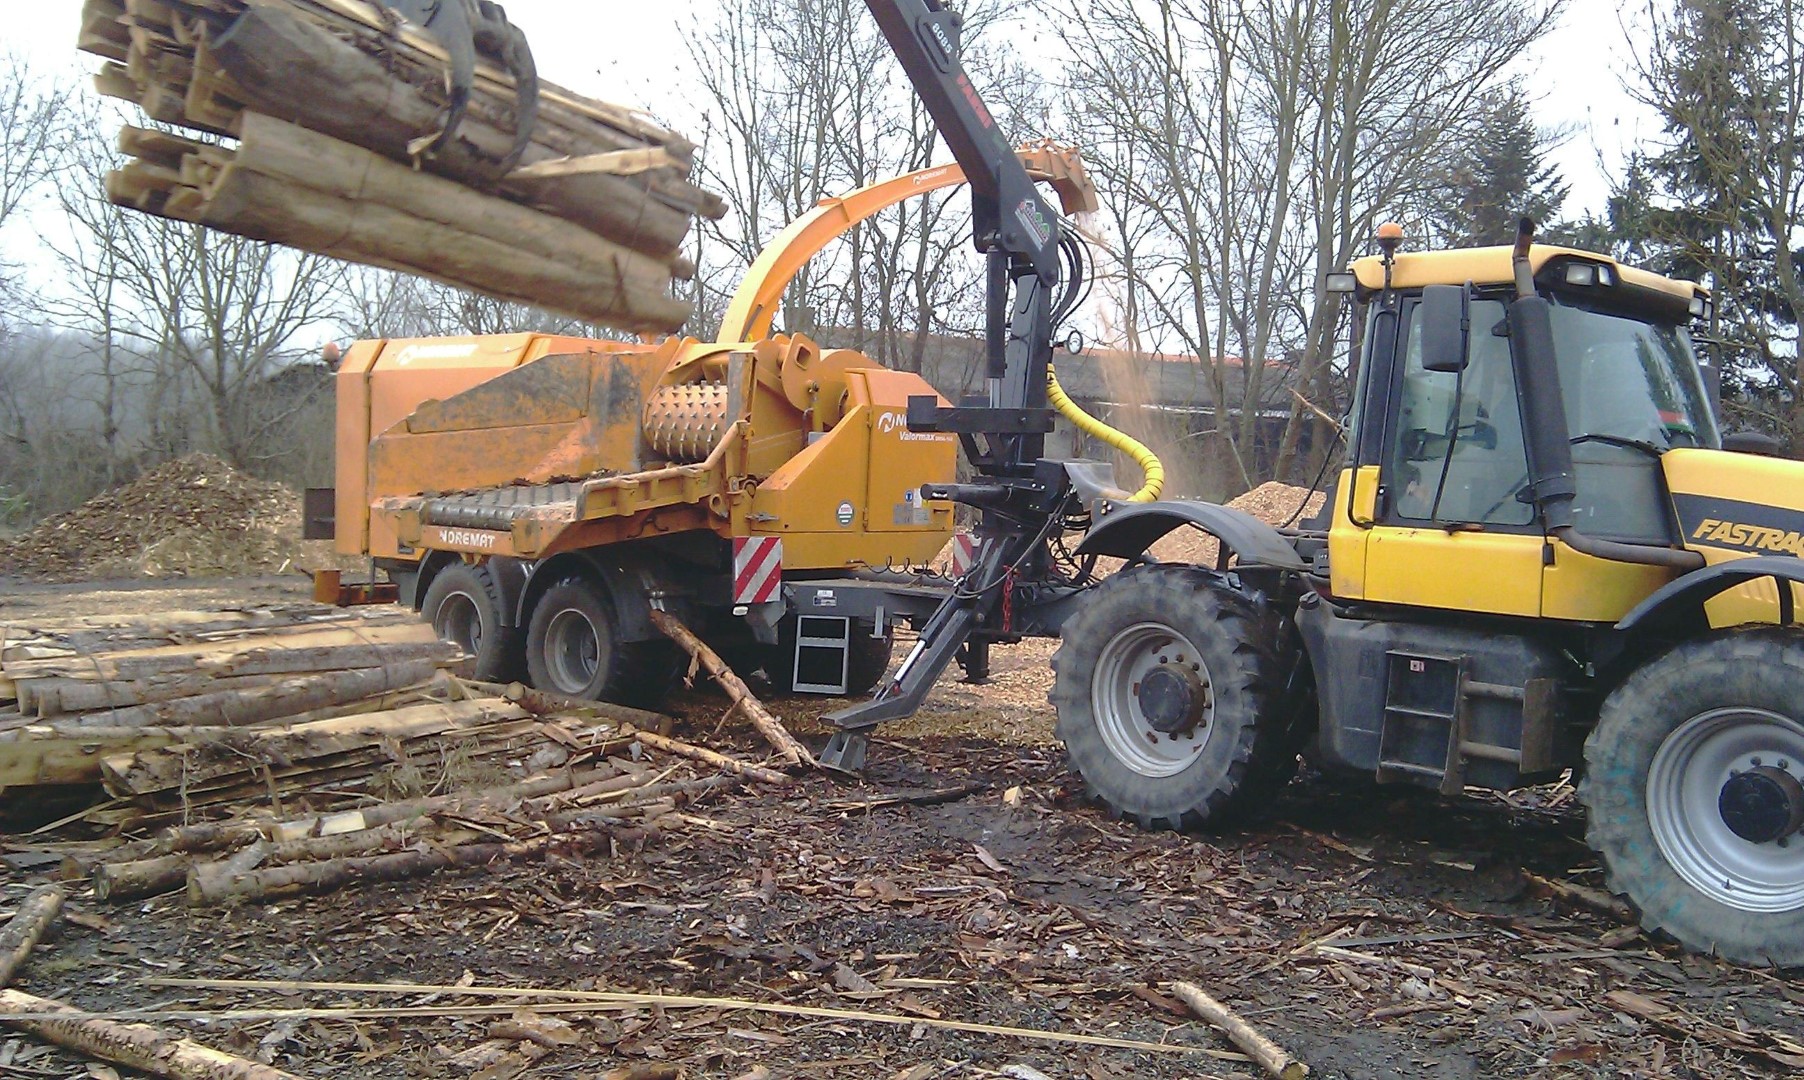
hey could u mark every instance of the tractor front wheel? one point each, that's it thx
(1694, 786)
(1165, 686)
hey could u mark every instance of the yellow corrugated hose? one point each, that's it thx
(1150, 466)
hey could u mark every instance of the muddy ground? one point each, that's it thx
(963, 879)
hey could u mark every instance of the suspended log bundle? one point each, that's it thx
(335, 104)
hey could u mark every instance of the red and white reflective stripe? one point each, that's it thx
(757, 568)
(964, 553)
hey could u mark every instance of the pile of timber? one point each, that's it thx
(274, 751)
(329, 103)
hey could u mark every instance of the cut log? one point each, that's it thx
(265, 208)
(465, 802)
(347, 171)
(718, 760)
(1271, 1057)
(278, 881)
(115, 882)
(58, 696)
(277, 654)
(769, 726)
(33, 754)
(235, 707)
(187, 838)
(139, 1046)
(547, 703)
(28, 926)
(289, 66)
(214, 882)
(233, 752)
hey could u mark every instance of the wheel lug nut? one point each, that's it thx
(1754, 762)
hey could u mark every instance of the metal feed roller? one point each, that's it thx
(684, 423)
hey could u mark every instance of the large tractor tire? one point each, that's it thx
(573, 647)
(1165, 684)
(867, 657)
(464, 607)
(1694, 784)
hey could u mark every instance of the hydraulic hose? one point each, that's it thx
(1152, 469)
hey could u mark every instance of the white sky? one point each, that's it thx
(1577, 74)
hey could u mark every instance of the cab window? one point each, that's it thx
(1456, 452)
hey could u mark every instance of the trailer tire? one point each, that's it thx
(1669, 743)
(573, 647)
(463, 605)
(1137, 745)
(867, 657)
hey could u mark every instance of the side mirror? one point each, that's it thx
(1753, 442)
(1446, 324)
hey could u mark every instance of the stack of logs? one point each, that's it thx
(590, 222)
(297, 749)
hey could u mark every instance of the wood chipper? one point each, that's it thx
(536, 496)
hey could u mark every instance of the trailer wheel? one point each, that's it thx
(1165, 688)
(1694, 786)
(573, 647)
(464, 607)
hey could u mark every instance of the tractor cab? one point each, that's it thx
(1437, 508)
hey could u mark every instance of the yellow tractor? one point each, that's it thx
(1537, 557)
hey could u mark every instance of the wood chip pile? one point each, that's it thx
(189, 517)
(299, 749)
(333, 106)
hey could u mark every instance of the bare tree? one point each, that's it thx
(804, 103)
(31, 125)
(1243, 148)
(199, 324)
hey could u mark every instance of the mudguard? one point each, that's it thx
(1128, 530)
(1681, 601)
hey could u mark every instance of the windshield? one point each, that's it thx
(1631, 380)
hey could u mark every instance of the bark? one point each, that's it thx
(769, 726)
(28, 926)
(139, 1046)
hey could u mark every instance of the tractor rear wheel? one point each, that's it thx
(1165, 685)
(573, 647)
(1694, 785)
(464, 607)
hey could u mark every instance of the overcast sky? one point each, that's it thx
(634, 55)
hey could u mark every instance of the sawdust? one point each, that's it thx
(193, 517)
(1273, 502)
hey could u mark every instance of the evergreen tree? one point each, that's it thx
(1722, 200)
(1502, 176)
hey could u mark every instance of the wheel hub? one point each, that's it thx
(1762, 804)
(1171, 698)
